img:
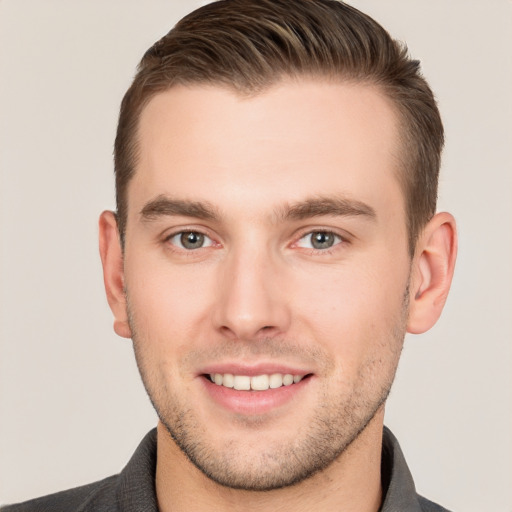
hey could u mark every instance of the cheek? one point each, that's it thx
(168, 305)
(351, 310)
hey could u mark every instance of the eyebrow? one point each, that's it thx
(163, 206)
(328, 206)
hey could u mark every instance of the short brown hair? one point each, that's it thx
(248, 45)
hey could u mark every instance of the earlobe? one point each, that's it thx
(113, 273)
(432, 272)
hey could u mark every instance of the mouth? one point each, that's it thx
(254, 390)
(261, 382)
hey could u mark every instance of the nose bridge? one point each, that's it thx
(250, 301)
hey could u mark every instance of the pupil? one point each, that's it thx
(322, 240)
(192, 240)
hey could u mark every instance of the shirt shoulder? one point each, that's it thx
(399, 489)
(132, 489)
(99, 496)
(430, 506)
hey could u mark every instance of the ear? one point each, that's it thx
(113, 272)
(432, 272)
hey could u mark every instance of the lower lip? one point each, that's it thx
(253, 402)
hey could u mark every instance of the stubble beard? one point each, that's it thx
(338, 421)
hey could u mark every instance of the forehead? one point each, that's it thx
(297, 136)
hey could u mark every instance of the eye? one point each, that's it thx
(319, 240)
(190, 240)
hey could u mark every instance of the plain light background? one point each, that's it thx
(72, 408)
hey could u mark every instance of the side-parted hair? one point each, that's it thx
(249, 45)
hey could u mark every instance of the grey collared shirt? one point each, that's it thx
(133, 490)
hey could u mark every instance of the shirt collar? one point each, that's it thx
(136, 485)
(398, 486)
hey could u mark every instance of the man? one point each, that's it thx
(275, 238)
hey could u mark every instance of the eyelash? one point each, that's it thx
(181, 232)
(339, 240)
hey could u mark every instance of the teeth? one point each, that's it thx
(241, 382)
(256, 383)
(287, 379)
(275, 381)
(259, 383)
(228, 381)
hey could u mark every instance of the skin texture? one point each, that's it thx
(257, 177)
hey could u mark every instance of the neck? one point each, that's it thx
(351, 483)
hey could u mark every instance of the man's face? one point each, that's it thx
(266, 242)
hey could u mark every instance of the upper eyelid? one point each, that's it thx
(341, 238)
(186, 231)
(344, 235)
(172, 232)
(324, 230)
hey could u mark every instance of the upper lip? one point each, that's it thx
(253, 370)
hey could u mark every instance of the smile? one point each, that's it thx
(255, 383)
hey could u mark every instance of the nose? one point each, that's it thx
(252, 300)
